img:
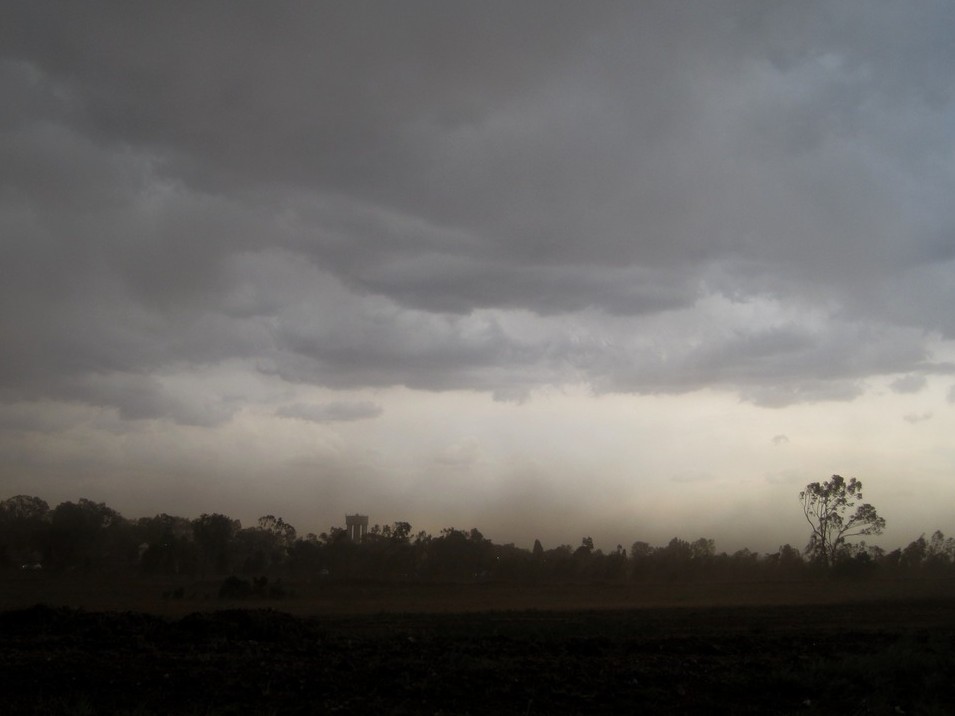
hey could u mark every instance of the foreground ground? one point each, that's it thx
(878, 656)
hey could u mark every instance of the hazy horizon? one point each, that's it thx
(625, 270)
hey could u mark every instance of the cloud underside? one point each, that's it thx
(634, 198)
(337, 411)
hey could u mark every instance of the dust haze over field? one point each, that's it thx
(548, 269)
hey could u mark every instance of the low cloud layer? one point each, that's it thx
(330, 412)
(639, 197)
(908, 384)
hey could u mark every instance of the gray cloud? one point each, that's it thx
(138, 397)
(908, 383)
(780, 440)
(914, 418)
(337, 411)
(631, 196)
(37, 417)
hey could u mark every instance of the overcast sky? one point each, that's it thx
(551, 269)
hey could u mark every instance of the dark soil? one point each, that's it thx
(873, 658)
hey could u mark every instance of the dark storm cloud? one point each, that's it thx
(489, 196)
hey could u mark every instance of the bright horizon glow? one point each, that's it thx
(617, 468)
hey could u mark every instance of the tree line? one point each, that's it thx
(88, 535)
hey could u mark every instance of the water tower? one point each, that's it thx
(356, 526)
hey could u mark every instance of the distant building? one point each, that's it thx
(356, 526)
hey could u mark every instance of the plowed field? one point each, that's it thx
(889, 657)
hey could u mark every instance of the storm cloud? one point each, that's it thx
(619, 163)
(330, 412)
(209, 208)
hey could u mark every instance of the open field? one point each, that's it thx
(156, 595)
(484, 649)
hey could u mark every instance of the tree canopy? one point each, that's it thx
(828, 507)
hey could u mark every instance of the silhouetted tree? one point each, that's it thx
(23, 508)
(214, 535)
(169, 545)
(266, 546)
(282, 530)
(88, 534)
(401, 532)
(674, 559)
(559, 562)
(640, 559)
(787, 562)
(24, 521)
(615, 564)
(914, 554)
(457, 554)
(586, 547)
(828, 509)
(940, 554)
(93, 535)
(933, 557)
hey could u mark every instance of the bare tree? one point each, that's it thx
(828, 508)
